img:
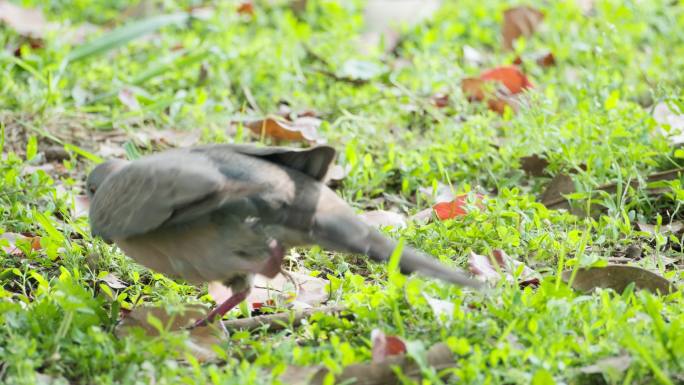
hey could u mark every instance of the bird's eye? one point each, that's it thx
(92, 190)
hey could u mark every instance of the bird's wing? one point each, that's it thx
(313, 162)
(152, 191)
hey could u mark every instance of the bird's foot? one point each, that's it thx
(222, 309)
(272, 266)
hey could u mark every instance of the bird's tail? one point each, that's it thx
(380, 248)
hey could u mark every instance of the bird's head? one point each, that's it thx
(100, 174)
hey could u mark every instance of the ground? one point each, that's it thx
(404, 124)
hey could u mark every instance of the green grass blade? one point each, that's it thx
(124, 34)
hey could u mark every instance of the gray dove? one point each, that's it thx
(227, 212)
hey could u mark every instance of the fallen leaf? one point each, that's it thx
(488, 268)
(28, 22)
(510, 76)
(440, 100)
(336, 173)
(443, 192)
(546, 60)
(11, 239)
(481, 266)
(384, 346)
(617, 277)
(128, 99)
(246, 8)
(552, 197)
(440, 308)
(200, 341)
(113, 281)
(455, 208)
(301, 129)
(671, 228)
(473, 56)
(519, 21)
(511, 80)
(382, 19)
(534, 165)
(617, 364)
(382, 218)
(310, 291)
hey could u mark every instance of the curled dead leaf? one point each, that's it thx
(519, 21)
(301, 129)
(618, 277)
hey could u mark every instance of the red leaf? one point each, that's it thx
(454, 208)
(440, 100)
(246, 8)
(384, 346)
(509, 76)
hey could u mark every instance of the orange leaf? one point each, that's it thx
(509, 76)
(519, 21)
(301, 129)
(454, 208)
(246, 8)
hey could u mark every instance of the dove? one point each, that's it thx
(226, 212)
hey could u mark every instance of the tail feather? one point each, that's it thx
(380, 248)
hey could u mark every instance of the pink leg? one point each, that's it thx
(223, 308)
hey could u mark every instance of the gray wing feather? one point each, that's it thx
(151, 191)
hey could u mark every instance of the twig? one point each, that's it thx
(279, 321)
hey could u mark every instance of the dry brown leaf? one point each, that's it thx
(519, 21)
(301, 129)
(534, 165)
(552, 197)
(310, 291)
(382, 218)
(617, 277)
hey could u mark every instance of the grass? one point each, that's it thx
(590, 115)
